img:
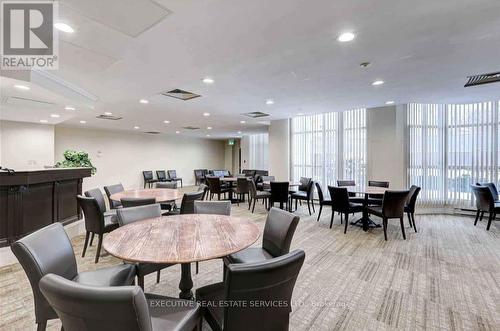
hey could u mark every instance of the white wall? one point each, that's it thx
(121, 157)
(26, 145)
(279, 149)
(386, 157)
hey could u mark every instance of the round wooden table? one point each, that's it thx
(181, 239)
(366, 221)
(160, 194)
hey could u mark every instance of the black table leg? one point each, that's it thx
(186, 283)
(365, 221)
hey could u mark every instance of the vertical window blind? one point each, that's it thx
(329, 146)
(451, 147)
(258, 151)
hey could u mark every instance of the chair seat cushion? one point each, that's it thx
(376, 202)
(299, 195)
(356, 199)
(376, 210)
(119, 275)
(172, 314)
(263, 194)
(327, 202)
(110, 223)
(110, 215)
(213, 294)
(355, 207)
(249, 255)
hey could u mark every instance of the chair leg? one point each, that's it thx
(249, 203)
(158, 276)
(309, 207)
(384, 223)
(253, 208)
(331, 220)
(197, 267)
(490, 219)
(296, 203)
(181, 182)
(413, 221)
(346, 222)
(140, 282)
(218, 196)
(98, 252)
(402, 227)
(341, 218)
(477, 217)
(312, 203)
(87, 235)
(92, 239)
(409, 219)
(319, 214)
(42, 326)
(481, 217)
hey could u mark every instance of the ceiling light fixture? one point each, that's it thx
(44, 121)
(69, 108)
(389, 102)
(209, 128)
(166, 122)
(177, 132)
(300, 114)
(346, 36)
(239, 132)
(144, 101)
(55, 115)
(136, 128)
(206, 114)
(22, 87)
(243, 122)
(83, 122)
(269, 102)
(378, 82)
(208, 80)
(64, 27)
(108, 113)
(208, 135)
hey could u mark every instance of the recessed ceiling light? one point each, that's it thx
(144, 101)
(269, 102)
(346, 36)
(55, 115)
(64, 27)
(378, 82)
(206, 114)
(166, 122)
(208, 135)
(243, 122)
(22, 87)
(136, 128)
(208, 80)
(389, 103)
(209, 128)
(300, 114)
(108, 113)
(239, 132)
(69, 108)
(83, 122)
(44, 121)
(177, 132)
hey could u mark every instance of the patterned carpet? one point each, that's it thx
(445, 277)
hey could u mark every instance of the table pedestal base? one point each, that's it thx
(366, 223)
(186, 283)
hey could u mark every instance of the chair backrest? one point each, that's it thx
(412, 198)
(133, 202)
(253, 189)
(97, 195)
(393, 203)
(278, 231)
(214, 184)
(203, 188)
(171, 185)
(304, 183)
(268, 178)
(340, 198)
(269, 281)
(110, 190)
(213, 207)
(94, 218)
(161, 175)
(242, 185)
(83, 307)
(188, 199)
(47, 250)
(133, 214)
(377, 183)
(148, 175)
(279, 191)
(493, 189)
(199, 173)
(172, 174)
(484, 198)
(310, 189)
(321, 197)
(341, 183)
(248, 172)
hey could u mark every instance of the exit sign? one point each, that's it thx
(230, 142)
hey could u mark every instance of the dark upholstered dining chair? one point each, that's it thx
(170, 185)
(215, 187)
(410, 205)
(393, 206)
(322, 200)
(265, 281)
(199, 176)
(110, 190)
(133, 214)
(280, 194)
(242, 189)
(172, 175)
(187, 204)
(305, 195)
(134, 202)
(95, 223)
(203, 188)
(161, 175)
(49, 250)
(97, 195)
(352, 195)
(376, 199)
(493, 189)
(342, 205)
(485, 203)
(261, 186)
(126, 308)
(148, 178)
(257, 195)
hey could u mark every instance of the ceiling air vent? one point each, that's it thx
(191, 128)
(483, 79)
(109, 117)
(181, 94)
(152, 132)
(255, 114)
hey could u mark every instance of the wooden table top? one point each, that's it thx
(366, 189)
(181, 238)
(160, 194)
(228, 179)
(289, 183)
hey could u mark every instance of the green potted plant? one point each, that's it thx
(76, 159)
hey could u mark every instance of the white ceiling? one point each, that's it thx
(285, 50)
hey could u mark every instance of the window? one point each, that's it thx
(451, 147)
(258, 151)
(321, 152)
